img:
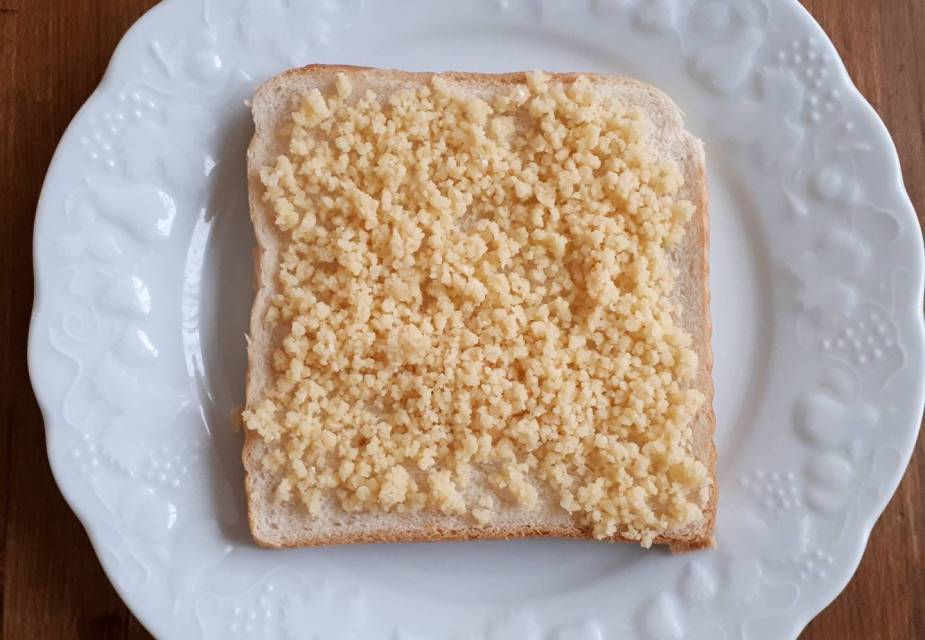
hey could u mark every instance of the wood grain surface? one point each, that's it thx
(53, 54)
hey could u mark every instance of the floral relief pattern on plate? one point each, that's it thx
(140, 310)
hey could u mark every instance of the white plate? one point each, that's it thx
(143, 270)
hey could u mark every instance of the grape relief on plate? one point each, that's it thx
(127, 422)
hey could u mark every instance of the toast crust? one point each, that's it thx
(694, 250)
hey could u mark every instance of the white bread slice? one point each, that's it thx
(288, 525)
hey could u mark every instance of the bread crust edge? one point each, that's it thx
(701, 538)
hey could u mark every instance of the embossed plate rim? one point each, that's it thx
(696, 584)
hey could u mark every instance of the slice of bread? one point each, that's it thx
(275, 524)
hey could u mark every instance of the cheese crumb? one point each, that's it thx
(476, 299)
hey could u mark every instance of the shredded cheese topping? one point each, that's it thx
(476, 298)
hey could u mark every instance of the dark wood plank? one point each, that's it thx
(135, 631)
(54, 54)
(7, 52)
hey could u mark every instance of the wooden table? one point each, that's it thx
(52, 55)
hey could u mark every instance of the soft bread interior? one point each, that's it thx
(287, 525)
